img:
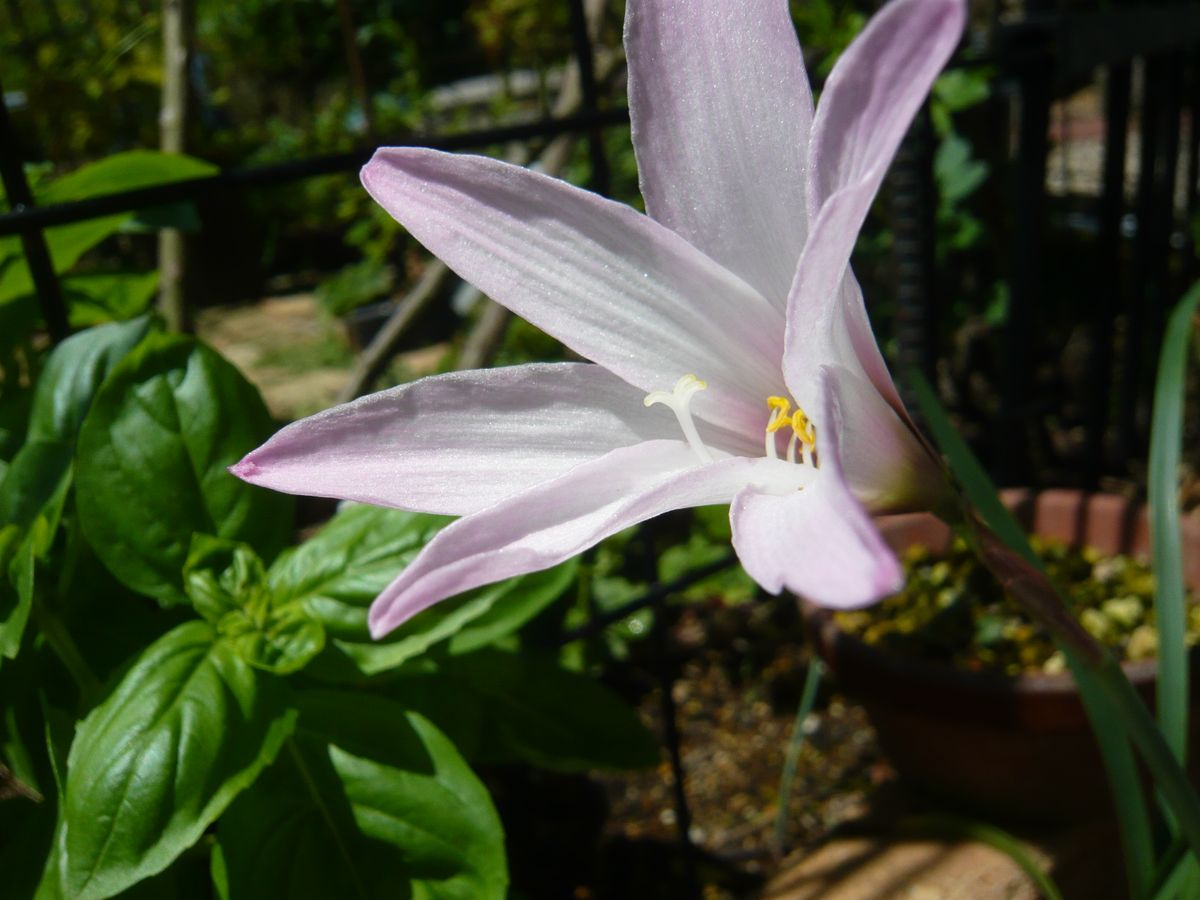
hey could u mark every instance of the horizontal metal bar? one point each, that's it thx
(1080, 42)
(25, 218)
(654, 594)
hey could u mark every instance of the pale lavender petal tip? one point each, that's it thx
(379, 622)
(246, 469)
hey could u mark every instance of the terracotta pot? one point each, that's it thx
(1016, 747)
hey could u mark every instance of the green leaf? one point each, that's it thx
(226, 583)
(961, 89)
(72, 375)
(1170, 599)
(281, 641)
(340, 571)
(152, 460)
(958, 174)
(370, 801)
(189, 727)
(74, 372)
(343, 567)
(219, 576)
(40, 471)
(124, 172)
(502, 707)
(116, 173)
(97, 297)
(16, 587)
(509, 605)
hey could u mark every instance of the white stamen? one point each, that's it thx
(680, 399)
(791, 453)
(769, 437)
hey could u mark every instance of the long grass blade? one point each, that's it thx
(1170, 605)
(956, 828)
(808, 697)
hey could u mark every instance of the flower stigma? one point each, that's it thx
(804, 432)
(680, 401)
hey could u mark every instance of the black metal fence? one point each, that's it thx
(1122, 255)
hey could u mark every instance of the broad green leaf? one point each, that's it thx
(526, 707)
(70, 379)
(97, 297)
(343, 567)
(516, 602)
(120, 172)
(340, 571)
(226, 583)
(124, 172)
(189, 727)
(74, 372)
(152, 459)
(368, 801)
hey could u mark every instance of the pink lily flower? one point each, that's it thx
(735, 363)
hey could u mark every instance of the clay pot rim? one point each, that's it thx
(849, 650)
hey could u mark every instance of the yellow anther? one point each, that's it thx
(781, 405)
(803, 427)
(804, 432)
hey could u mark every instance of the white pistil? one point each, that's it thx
(680, 399)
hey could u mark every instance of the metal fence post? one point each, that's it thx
(33, 242)
(914, 206)
(600, 180)
(1034, 80)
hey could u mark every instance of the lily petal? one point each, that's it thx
(869, 100)
(458, 443)
(872, 94)
(721, 110)
(831, 326)
(553, 521)
(612, 284)
(818, 542)
(884, 463)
